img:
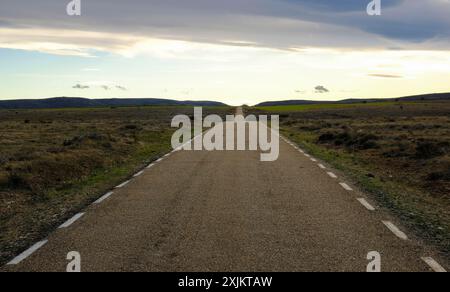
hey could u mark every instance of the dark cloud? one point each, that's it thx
(268, 23)
(321, 89)
(341, 5)
(105, 87)
(80, 86)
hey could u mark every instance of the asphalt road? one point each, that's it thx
(228, 211)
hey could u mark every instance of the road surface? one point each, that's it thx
(228, 211)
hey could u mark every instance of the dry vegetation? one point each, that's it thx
(400, 152)
(55, 162)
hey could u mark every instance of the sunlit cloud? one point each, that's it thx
(385, 75)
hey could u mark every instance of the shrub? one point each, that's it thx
(439, 175)
(360, 141)
(327, 137)
(131, 127)
(429, 149)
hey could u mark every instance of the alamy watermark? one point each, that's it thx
(374, 8)
(228, 135)
(374, 265)
(74, 265)
(74, 8)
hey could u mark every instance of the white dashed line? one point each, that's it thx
(139, 173)
(313, 160)
(322, 166)
(71, 220)
(434, 265)
(122, 184)
(395, 230)
(332, 175)
(159, 160)
(366, 204)
(307, 155)
(27, 253)
(301, 151)
(104, 198)
(346, 187)
(150, 166)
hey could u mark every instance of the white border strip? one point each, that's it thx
(123, 184)
(434, 265)
(27, 253)
(332, 175)
(322, 166)
(394, 229)
(346, 187)
(139, 173)
(71, 220)
(366, 204)
(106, 196)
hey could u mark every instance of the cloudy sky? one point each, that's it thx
(235, 51)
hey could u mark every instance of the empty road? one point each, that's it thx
(228, 211)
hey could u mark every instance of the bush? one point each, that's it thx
(131, 127)
(17, 181)
(360, 141)
(77, 140)
(429, 149)
(327, 137)
(439, 175)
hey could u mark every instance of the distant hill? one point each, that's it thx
(424, 97)
(68, 102)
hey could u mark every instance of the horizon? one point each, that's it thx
(236, 52)
(236, 105)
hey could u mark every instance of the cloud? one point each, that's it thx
(287, 24)
(105, 85)
(80, 86)
(341, 6)
(385, 76)
(321, 89)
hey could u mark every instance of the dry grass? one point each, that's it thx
(399, 152)
(55, 162)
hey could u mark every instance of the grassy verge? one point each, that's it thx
(406, 202)
(397, 152)
(57, 162)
